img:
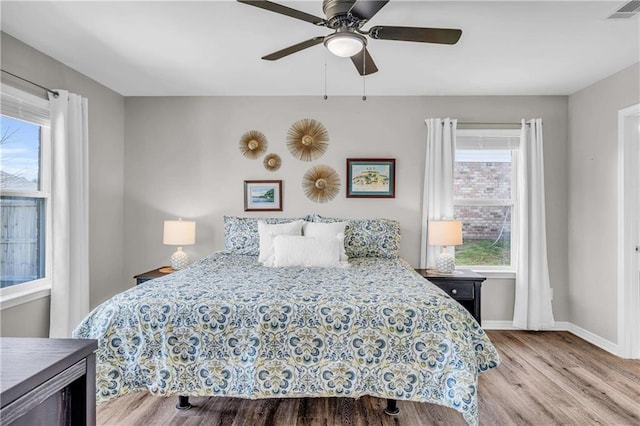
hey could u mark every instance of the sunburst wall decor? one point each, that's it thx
(321, 183)
(253, 144)
(272, 162)
(307, 139)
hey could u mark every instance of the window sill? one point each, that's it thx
(18, 296)
(493, 274)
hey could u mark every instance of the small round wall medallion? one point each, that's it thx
(253, 144)
(272, 162)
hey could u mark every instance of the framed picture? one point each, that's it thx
(371, 177)
(262, 195)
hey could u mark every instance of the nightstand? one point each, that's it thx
(146, 276)
(464, 286)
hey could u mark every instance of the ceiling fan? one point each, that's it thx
(346, 18)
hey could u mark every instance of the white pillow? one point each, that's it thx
(289, 250)
(326, 230)
(267, 231)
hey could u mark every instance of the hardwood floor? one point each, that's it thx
(546, 378)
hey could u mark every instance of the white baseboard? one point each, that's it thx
(594, 339)
(590, 337)
(508, 325)
(498, 325)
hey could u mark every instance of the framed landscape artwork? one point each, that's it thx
(262, 195)
(371, 177)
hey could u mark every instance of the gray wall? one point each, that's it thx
(593, 198)
(29, 319)
(106, 162)
(182, 159)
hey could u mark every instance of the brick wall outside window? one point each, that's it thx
(483, 180)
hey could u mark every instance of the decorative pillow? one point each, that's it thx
(326, 230)
(241, 233)
(368, 237)
(289, 250)
(268, 231)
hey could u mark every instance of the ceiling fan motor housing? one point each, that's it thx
(337, 13)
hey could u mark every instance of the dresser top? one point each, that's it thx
(27, 362)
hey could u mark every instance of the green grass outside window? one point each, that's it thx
(484, 252)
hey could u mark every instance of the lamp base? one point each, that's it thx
(179, 259)
(445, 263)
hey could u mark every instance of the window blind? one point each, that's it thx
(478, 139)
(24, 106)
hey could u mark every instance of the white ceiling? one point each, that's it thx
(169, 48)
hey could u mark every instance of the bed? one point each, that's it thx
(228, 325)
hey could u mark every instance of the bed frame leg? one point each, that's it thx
(392, 407)
(183, 403)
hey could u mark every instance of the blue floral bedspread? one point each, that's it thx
(228, 326)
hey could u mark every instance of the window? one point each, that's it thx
(484, 197)
(25, 237)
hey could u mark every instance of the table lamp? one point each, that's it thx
(445, 233)
(179, 233)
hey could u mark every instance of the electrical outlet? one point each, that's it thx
(552, 294)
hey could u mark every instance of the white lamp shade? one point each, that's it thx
(444, 232)
(344, 45)
(179, 232)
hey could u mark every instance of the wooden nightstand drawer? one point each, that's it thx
(457, 290)
(464, 286)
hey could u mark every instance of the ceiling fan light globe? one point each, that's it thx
(344, 45)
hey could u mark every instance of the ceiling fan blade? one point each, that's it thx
(365, 9)
(293, 49)
(364, 62)
(284, 10)
(422, 35)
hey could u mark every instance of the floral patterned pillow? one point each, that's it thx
(368, 237)
(241, 233)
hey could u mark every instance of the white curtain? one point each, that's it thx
(532, 310)
(437, 198)
(70, 212)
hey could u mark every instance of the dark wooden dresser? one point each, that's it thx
(47, 381)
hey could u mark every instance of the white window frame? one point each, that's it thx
(24, 106)
(494, 139)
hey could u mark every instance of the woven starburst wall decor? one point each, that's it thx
(307, 139)
(253, 144)
(321, 183)
(272, 162)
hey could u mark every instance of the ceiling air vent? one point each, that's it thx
(628, 10)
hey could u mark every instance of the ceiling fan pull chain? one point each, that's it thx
(325, 76)
(364, 76)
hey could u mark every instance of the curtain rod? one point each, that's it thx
(468, 123)
(55, 93)
(475, 123)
